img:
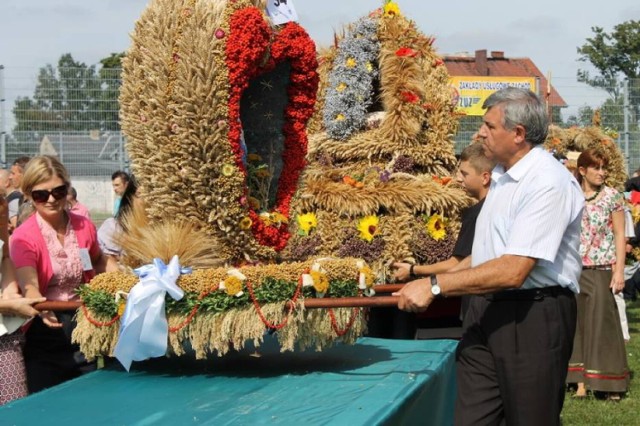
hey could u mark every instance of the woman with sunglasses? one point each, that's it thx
(54, 252)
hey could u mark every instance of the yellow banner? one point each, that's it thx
(470, 92)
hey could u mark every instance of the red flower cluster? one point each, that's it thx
(247, 44)
(407, 51)
(247, 47)
(409, 97)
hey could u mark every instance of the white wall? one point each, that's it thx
(97, 195)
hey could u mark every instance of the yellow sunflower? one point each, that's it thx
(437, 227)
(391, 9)
(368, 227)
(341, 87)
(232, 285)
(340, 117)
(307, 222)
(351, 62)
(246, 223)
(320, 281)
(227, 170)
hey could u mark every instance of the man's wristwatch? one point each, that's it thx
(435, 288)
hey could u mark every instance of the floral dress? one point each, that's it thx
(597, 242)
(599, 357)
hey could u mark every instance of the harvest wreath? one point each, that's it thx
(185, 111)
(222, 308)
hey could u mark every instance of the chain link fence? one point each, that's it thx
(73, 113)
(68, 112)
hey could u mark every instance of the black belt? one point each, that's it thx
(528, 294)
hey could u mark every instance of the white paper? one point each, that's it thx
(281, 11)
(85, 259)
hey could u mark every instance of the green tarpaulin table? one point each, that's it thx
(376, 381)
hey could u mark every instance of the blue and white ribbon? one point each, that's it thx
(144, 329)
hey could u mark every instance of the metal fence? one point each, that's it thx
(73, 113)
(68, 112)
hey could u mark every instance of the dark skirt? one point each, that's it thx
(599, 357)
(13, 379)
(49, 355)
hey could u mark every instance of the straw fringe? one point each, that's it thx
(218, 334)
(95, 341)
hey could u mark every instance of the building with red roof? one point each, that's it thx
(497, 65)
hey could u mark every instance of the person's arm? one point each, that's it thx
(28, 281)
(105, 263)
(437, 268)
(464, 264)
(22, 307)
(505, 272)
(402, 270)
(617, 278)
(12, 213)
(9, 283)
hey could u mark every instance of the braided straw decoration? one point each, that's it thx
(174, 112)
(420, 130)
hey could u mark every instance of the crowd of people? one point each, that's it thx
(50, 247)
(538, 260)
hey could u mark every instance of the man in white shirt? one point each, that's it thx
(518, 335)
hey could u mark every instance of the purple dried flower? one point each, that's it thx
(353, 246)
(427, 251)
(305, 247)
(403, 164)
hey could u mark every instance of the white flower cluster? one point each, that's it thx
(351, 80)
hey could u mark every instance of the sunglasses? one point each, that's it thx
(42, 195)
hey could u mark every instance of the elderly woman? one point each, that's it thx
(599, 360)
(54, 252)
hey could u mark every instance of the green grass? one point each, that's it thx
(592, 411)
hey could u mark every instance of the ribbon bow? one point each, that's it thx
(144, 329)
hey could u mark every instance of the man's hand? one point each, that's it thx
(415, 296)
(401, 271)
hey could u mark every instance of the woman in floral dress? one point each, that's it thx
(599, 361)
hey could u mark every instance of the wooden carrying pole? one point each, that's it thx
(310, 303)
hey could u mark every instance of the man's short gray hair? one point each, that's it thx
(521, 107)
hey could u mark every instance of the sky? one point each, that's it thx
(34, 33)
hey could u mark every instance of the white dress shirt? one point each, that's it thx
(534, 209)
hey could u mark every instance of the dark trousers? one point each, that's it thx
(391, 323)
(632, 286)
(513, 357)
(49, 356)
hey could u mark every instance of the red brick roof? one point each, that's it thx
(497, 65)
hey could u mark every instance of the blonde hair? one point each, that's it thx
(41, 169)
(475, 155)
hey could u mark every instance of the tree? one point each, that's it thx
(70, 97)
(110, 77)
(613, 55)
(584, 117)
